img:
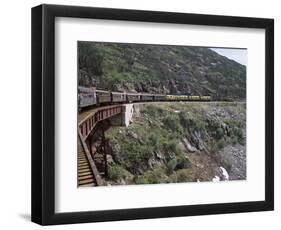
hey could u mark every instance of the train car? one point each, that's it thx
(103, 96)
(177, 97)
(85, 100)
(86, 90)
(187, 98)
(133, 97)
(194, 98)
(159, 97)
(86, 97)
(118, 97)
(205, 98)
(146, 97)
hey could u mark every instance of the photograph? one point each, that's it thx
(142, 114)
(156, 114)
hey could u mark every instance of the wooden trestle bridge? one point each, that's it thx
(94, 122)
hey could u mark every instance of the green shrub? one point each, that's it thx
(180, 176)
(221, 143)
(142, 180)
(172, 146)
(153, 110)
(172, 122)
(154, 141)
(233, 123)
(183, 176)
(155, 176)
(117, 172)
(171, 165)
(234, 140)
(238, 132)
(218, 145)
(192, 123)
(134, 154)
(180, 162)
(219, 133)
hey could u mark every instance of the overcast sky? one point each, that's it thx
(238, 55)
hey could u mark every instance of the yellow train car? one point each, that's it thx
(187, 98)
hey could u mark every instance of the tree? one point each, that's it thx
(90, 58)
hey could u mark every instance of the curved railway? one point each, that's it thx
(88, 97)
(97, 106)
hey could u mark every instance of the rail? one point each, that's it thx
(87, 124)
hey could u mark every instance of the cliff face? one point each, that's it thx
(160, 69)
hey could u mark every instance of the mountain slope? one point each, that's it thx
(160, 69)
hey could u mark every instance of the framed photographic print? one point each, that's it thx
(136, 114)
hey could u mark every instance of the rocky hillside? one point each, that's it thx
(160, 69)
(179, 142)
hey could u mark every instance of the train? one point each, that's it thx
(93, 97)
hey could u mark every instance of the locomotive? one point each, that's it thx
(91, 97)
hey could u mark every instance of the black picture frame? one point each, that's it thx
(43, 114)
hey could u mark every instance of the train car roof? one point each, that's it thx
(86, 89)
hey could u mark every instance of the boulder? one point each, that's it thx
(160, 155)
(121, 182)
(188, 146)
(152, 163)
(197, 140)
(109, 159)
(133, 135)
